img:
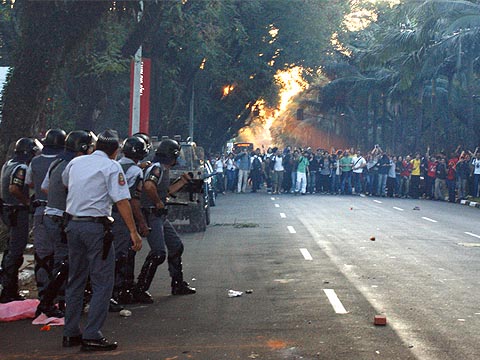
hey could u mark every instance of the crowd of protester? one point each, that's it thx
(437, 176)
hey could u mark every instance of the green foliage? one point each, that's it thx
(409, 76)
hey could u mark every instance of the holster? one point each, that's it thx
(8, 214)
(107, 237)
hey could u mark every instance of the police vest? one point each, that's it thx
(162, 185)
(7, 171)
(40, 165)
(57, 192)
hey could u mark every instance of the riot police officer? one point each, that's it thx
(53, 144)
(162, 234)
(134, 149)
(77, 143)
(15, 205)
(94, 183)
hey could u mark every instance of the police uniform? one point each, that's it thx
(15, 216)
(94, 183)
(162, 236)
(44, 249)
(53, 221)
(124, 256)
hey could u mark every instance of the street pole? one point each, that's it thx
(191, 118)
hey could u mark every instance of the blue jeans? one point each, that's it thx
(357, 182)
(382, 184)
(231, 180)
(346, 186)
(334, 183)
(311, 181)
(451, 190)
(476, 180)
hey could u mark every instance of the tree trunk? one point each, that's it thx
(49, 33)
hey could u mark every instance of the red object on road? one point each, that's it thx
(380, 320)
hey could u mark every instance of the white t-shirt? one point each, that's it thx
(358, 164)
(277, 165)
(476, 166)
(230, 164)
(219, 166)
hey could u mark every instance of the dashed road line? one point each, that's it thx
(277, 205)
(397, 208)
(306, 254)
(283, 216)
(428, 219)
(291, 229)
(377, 201)
(472, 234)
(335, 301)
(272, 198)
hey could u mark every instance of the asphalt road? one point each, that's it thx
(317, 281)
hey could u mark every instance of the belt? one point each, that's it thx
(94, 219)
(150, 210)
(38, 203)
(56, 218)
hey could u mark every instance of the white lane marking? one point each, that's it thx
(397, 208)
(283, 216)
(377, 201)
(472, 234)
(428, 219)
(306, 254)
(272, 198)
(335, 301)
(277, 205)
(291, 229)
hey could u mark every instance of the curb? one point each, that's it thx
(470, 203)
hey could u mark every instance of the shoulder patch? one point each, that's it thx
(121, 179)
(20, 174)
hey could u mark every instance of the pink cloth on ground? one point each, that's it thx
(17, 310)
(42, 319)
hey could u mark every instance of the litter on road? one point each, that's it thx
(234, 293)
(125, 313)
(380, 320)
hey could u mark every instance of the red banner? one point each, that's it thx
(140, 96)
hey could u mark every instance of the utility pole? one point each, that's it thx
(192, 108)
(139, 89)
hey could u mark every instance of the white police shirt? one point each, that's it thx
(94, 183)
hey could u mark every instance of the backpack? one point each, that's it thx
(273, 159)
(256, 164)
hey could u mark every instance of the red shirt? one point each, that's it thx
(432, 169)
(407, 168)
(452, 165)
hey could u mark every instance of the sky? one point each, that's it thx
(3, 74)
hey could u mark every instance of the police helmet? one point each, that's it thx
(27, 146)
(55, 138)
(145, 138)
(80, 140)
(168, 149)
(135, 148)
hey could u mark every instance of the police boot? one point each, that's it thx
(114, 306)
(140, 293)
(52, 291)
(180, 287)
(43, 273)
(49, 311)
(10, 282)
(121, 294)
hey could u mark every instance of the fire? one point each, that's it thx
(291, 83)
(227, 90)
